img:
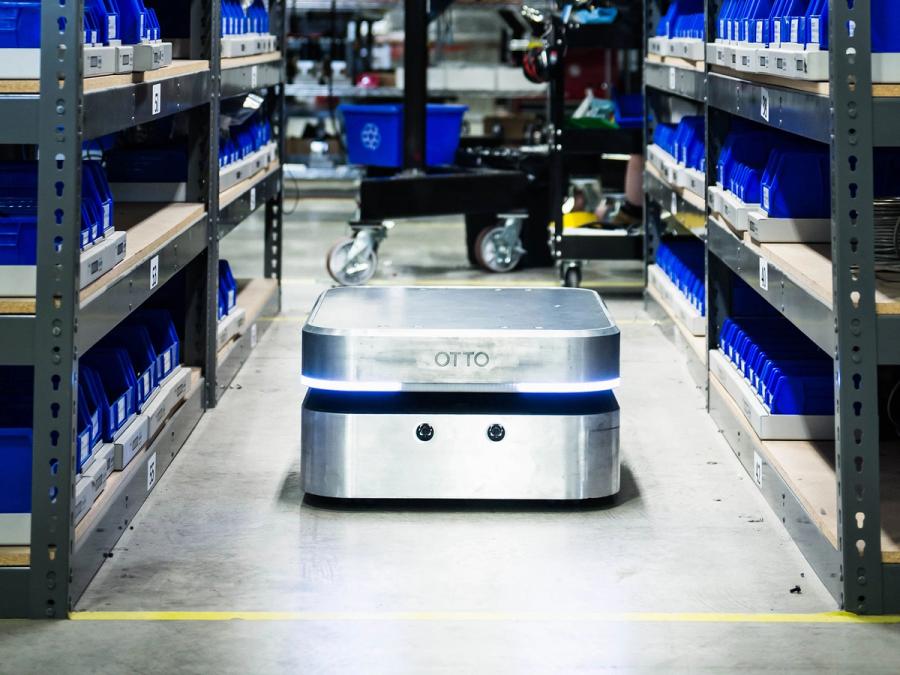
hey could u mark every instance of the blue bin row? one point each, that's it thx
(227, 289)
(244, 139)
(803, 22)
(105, 22)
(375, 133)
(683, 19)
(685, 141)
(683, 261)
(121, 373)
(236, 21)
(18, 209)
(789, 373)
(789, 177)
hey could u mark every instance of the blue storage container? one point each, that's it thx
(683, 262)
(148, 165)
(95, 177)
(227, 289)
(135, 339)
(164, 337)
(110, 373)
(20, 24)
(375, 133)
(84, 432)
(15, 470)
(629, 111)
(18, 239)
(92, 406)
(797, 184)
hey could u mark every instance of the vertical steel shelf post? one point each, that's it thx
(853, 270)
(212, 47)
(275, 206)
(56, 313)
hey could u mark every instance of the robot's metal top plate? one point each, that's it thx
(463, 339)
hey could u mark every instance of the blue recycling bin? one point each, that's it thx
(375, 133)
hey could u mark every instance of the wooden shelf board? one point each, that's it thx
(678, 62)
(696, 343)
(226, 197)
(93, 84)
(809, 87)
(807, 467)
(256, 59)
(15, 556)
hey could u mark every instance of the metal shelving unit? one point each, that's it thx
(51, 331)
(837, 499)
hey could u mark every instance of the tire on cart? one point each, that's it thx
(348, 272)
(572, 276)
(494, 254)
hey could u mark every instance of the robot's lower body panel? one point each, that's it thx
(460, 446)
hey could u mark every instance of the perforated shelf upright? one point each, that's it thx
(52, 330)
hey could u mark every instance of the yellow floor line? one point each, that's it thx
(490, 282)
(596, 617)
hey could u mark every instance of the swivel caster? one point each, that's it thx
(352, 261)
(572, 276)
(498, 248)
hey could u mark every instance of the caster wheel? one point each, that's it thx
(495, 253)
(572, 277)
(348, 267)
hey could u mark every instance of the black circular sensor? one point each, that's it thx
(496, 432)
(425, 432)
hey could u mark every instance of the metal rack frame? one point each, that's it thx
(847, 325)
(64, 326)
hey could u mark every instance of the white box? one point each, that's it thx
(97, 475)
(84, 498)
(230, 326)
(105, 457)
(131, 441)
(152, 55)
(15, 529)
(788, 230)
(171, 393)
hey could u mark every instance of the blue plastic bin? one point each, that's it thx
(18, 240)
(135, 339)
(20, 24)
(15, 470)
(375, 133)
(164, 337)
(110, 374)
(629, 111)
(227, 289)
(84, 432)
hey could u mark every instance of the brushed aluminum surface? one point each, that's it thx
(463, 339)
(356, 450)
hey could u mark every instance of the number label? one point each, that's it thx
(254, 76)
(764, 103)
(151, 472)
(156, 99)
(764, 274)
(673, 78)
(674, 206)
(253, 199)
(757, 469)
(154, 272)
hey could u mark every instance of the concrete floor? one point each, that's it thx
(447, 588)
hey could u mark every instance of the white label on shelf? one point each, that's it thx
(674, 206)
(759, 31)
(167, 361)
(154, 272)
(795, 30)
(112, 33)
(253, 336)
(254, 76)
(120, 410)
(763, 273)
(253, 199)
(673, 78)
(156, 97)
(777, 38)
(757, 469)
(764, 103)
(814, 36)
(151, 472)
(85, 446)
